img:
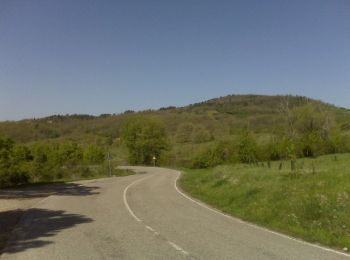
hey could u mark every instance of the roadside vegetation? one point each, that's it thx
(309, 200)
(232, 129)
(45, 162)
(279, 161)
(145, 139)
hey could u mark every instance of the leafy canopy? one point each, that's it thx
(145, 138)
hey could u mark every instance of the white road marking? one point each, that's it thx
(253, 225)
(150, 228)
(126, 201)
(177, 248)
(172, 244)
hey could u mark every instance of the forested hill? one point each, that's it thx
(219, 117)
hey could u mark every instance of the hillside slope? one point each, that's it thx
(221, 116)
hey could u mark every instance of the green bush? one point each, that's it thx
(43, 162)
(247, 148)
(201, 135)
(94, 155)
(218, 153)
(12, 159)
(184, 133)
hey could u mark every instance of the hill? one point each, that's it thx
(218, 115)
(192, 125)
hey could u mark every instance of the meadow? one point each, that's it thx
(311, 202)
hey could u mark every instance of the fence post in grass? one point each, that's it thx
(269, 164)
(313, 168)
(280, 166)
(292, 167)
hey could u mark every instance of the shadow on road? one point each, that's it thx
(37, 226)
(46, 222)
(38, 191)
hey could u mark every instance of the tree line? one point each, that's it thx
(304, 131)
(308, 132)
(44, 162)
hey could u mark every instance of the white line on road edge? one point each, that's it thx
(172, 244)
(126, 201)
(178, 248)
(150, 228)
(252, 225)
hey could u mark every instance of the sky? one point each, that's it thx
(94, 57)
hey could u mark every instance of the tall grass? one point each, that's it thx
(311, 202)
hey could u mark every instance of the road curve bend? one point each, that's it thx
(145, 216)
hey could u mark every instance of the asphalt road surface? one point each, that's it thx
(144, 216)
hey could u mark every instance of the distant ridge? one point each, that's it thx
(221, 116)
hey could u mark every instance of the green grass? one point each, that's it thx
(313, 203)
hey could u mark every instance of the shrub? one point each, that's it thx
(94, 154)
(201, 135)
(248, 148)
(184, 133)
(219, 153)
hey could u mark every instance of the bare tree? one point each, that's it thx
(287, 114)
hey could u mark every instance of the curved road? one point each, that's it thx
(144, 216)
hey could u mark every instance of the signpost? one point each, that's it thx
(109, 158)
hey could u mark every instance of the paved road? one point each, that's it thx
(144, 216)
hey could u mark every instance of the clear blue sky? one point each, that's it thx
(81, 56)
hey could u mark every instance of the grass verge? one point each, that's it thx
(311, 202)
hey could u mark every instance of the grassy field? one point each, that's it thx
(312, 203)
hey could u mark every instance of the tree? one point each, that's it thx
(12, 163)
(184, 133)
(6, 145)
(337, 143)
(248, 148)
(201, 135)
(69, 154)
(311, 119)
(144, 138)
(94, 154)
(314, 128)
(41, 169)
